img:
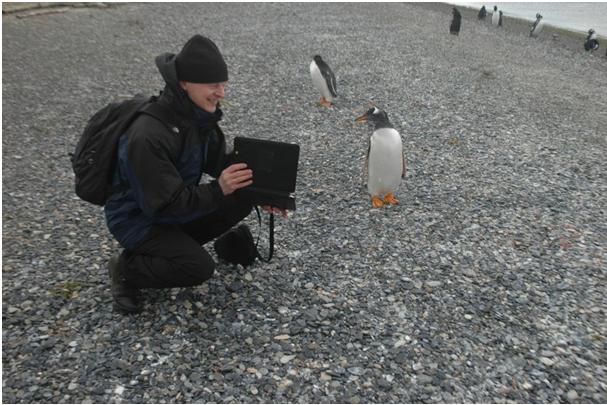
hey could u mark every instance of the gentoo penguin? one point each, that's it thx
(324, 80)
(499, 23)
(456, 22)
(495, 17)
(537, 26)
(385, 162)
(482, 13)
(591, 44)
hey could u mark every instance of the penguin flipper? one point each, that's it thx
(366, 166)
(333, 84)
(404, 174)
(329, 77)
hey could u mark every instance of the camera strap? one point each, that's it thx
(271, 238)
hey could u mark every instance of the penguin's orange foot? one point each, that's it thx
(377, 202)
(325, 102)
(389, 199)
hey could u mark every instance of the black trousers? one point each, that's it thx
(173, 256)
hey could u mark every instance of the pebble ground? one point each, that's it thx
(485, 284)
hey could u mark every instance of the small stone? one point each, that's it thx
(572, 395)
(235, 286)
(325, 377)
(434, 284)
(399, 343)
(547, 353)
(469, 272)
(72, 386)
(281, 337)
(287, 358)
(527, 385)
(546, 361)
(253, 390)
(424, 379)
(356, 371)
(248, 277)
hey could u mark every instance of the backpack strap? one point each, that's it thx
(161, 113)
(271, 237)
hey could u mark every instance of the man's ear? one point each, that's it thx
(184, 85)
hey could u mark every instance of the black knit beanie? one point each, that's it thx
(201, 62)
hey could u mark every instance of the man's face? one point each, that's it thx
(205, 95)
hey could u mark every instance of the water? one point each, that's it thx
(572, 16)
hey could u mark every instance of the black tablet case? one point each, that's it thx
(274, 165)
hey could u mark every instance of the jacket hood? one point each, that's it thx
(173, 94)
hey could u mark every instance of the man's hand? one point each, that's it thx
(275, 210)
(235, 177)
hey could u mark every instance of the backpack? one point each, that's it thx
(96, 154)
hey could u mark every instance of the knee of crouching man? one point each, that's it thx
(206, 271)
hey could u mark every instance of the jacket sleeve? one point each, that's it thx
(157, 185)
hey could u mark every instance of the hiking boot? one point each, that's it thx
(126, 299)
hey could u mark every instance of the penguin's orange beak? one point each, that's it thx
(362, 118)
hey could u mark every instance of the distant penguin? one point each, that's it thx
(385, 163)
(592, 43)
(499, 23)
(456, 22)
(495, 17)
(537, 26)
(482, 13)
(324, 80)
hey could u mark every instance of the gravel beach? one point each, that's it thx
(487, 283)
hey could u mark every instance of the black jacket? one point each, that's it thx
(162, 164)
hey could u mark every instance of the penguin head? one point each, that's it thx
(494, 8)
(538, 15)
(317, 58)
(591, 31)
(376, 116)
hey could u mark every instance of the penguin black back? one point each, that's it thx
(591, 44)
(499, 24)
(456, 22)
(327, 73)
(482, 13)
(538, 18)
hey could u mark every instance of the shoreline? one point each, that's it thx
(530, 18)
(567, 37)
(522, 20)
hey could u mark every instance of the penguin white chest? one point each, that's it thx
(319, 82)
(538, 28)
(385, 161)
(495, 18)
